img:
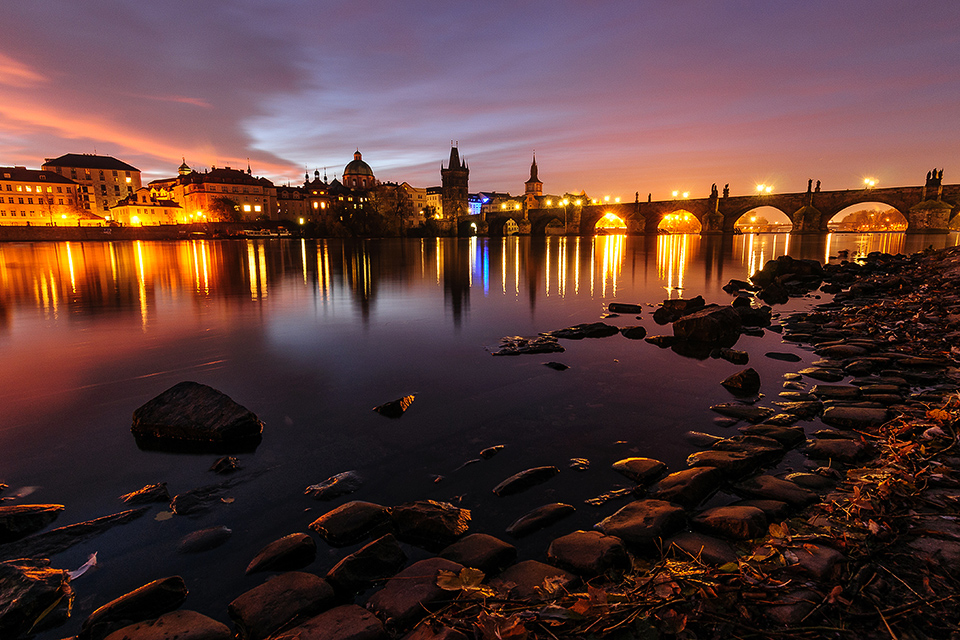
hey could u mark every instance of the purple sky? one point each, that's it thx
(615, 97)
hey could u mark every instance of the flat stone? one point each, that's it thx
(524, 580)
(346, 622)
(285, 599)
(805, 410)
(839, 449)
(840, 351)
(430, 523)
(433, 630)
(54, 541)
(144, 603)
(373, 562)
(860, 418)
(481, 551)
(737, 522)
(642, 522)
(812, 481)
(190, 411)
(176, 625)
(773, 488)
(823, 373)
(791, 608)
(351, 522)
(689, 487)
(817, 561)
(20, 520)
(408, 596)
(585, 330)
(204, 539)
(624, 307)
(540, 518)
(633, 332)
(524, 480)
(294, 551)
(743, 412)
(148, 494)
(335, 486)
(588, 553)
(734, 356)
(836, 392)
(702, 547)
(731, 464)
(786, 436)
(28, 588)
(640, 470)
(775, 510)
(784, 357)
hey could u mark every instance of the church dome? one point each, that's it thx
(357, 167)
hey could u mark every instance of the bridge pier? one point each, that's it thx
(929, 216)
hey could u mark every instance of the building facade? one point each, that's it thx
(454, 181)
(142, 208)
(202, 194)
(31, 197)
(103, 180)
(358, 175)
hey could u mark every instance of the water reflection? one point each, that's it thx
(62, 281)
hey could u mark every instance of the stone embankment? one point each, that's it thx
(863, 544)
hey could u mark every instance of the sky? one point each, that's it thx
(615, 97)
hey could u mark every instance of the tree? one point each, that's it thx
(225, 209)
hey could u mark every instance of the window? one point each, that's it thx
(59, 200)
(115, 174)
(59, 189)
(20, 200)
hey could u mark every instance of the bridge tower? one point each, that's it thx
(454, 189)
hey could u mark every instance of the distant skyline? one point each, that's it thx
(615, 97)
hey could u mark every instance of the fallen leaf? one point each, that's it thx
(163, 515)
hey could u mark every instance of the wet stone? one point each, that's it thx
(731, 464)
(804, 409)
(773, 488)
(285, 599)
(836, 392)
(588, 553)
(408, 596)
(792, 608)
(395, 408)
(817, 561)
(431, 523)
(293, 551)
(375, 561)
(633, 332)
(786, 436)
(743, 412)
(643, 522)
(706, 549)
(481, 551)
(824, 374)
(701, 439)
(176, 625)
(226, 464)
(843, 450)
(525, 580)
(540, 518)
(585, 330)
(489, 452)
(857, 418)
(515, 346)
(351, 522)
(712, 325)
(204, 539)
(812, 481)
(20, 520)
(734, 356)
(346, 622)
(28, 588)
(335, 486)
(840, 351)
(640, 470)
(743, 383)
(147, 602)
(784, 357)
(524, 480)
(737, 522)
(689, 487)
(775, 510)
(148, 494)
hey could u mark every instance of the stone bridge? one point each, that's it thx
(928, 209)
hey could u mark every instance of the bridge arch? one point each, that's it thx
(539, 224)
(764, 219)
(502, 226)
(868, 216)
(680, 221)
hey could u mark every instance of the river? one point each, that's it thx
(310, 335)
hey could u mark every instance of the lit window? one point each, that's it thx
(256, 208)
(246, 208)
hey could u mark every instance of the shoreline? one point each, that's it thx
(651, 596)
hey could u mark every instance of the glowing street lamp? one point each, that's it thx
(686, 194)
(764, 188)
(870, 182)
(675, 194)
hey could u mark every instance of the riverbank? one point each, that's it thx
(645, 589)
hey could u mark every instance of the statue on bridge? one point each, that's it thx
(713, 190)
(726, 190)
(818, 186)
(809, 185)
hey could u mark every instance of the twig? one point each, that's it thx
(889, 630)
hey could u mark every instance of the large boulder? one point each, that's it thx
(430, 523)
(588, 553)
(407, 596)
(643, 522)
(481, 551)
(351, 522)
(29, 588)
(525, 580)
(713, 325)
(281, 601)
(294, 551)
(375, 561)
(192, 412)
(540, 518)
(19, 520)
(176, 625)
(145, 603)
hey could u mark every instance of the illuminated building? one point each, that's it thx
(28, 196)
(418, 198)
(144, 209)
(103, 180)
(533, 188)
(358, 175)
(203, 194)
(454, 180)
(434, 198)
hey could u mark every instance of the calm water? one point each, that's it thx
(310, 335)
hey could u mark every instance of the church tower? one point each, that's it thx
(453, 181)
(533, 186)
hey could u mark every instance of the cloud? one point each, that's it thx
(16, 74)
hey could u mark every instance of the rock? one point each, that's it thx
(586, 330)
(579, 464)
(712, 324)
(774, 293)
(752, 318)
(148, 494)
(335, 486)
(857, 418)
(204, 539)
(836, 392)
(664, 342)
(196, 500)
(177, 625)
(786, 436)
(731, 464)
(489, 452)
(743, 412)
(515, 346)
(588, 553)
(433, 630)
(524, 480)
(282, 601)
(785, 357)
(812, 481)
(946, 553)
(351, 522)
(643, 522)
(556, 366)
(734, 356)
(737, 522)
(701, 439)
(525, 580)
(540, 518)
(226, 464)
(805, 409)
(20, 520)
(481, 551)
(734, 286)
(346, 622)
(395, 408)
(622, 307)
(408, 596)
(817, 561)
(192, 412)
(60, 539)
(701, 547)
(823, 373)
(842, 450)
(293, 551)
(633, 332)
(840, 351)
(640, 470)
(145, 603)
(772, 488)
(375, 561)
(689, 487)
(775, 510)
(792, 608)
(743, 383)
(431, 523)
(28, 588)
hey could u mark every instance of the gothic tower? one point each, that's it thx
(453, 181)
(533, 186)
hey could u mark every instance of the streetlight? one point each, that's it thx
(870, 183)
(764, 188)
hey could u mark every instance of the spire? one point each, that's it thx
(248, 167)
(356, 154)
(454, 158)
(533, 169)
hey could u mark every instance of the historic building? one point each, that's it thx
(143, 208)
(104, 180)
(31, 197)
(358, 175)
(200, 194)
(455, 198)
(533, 188)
